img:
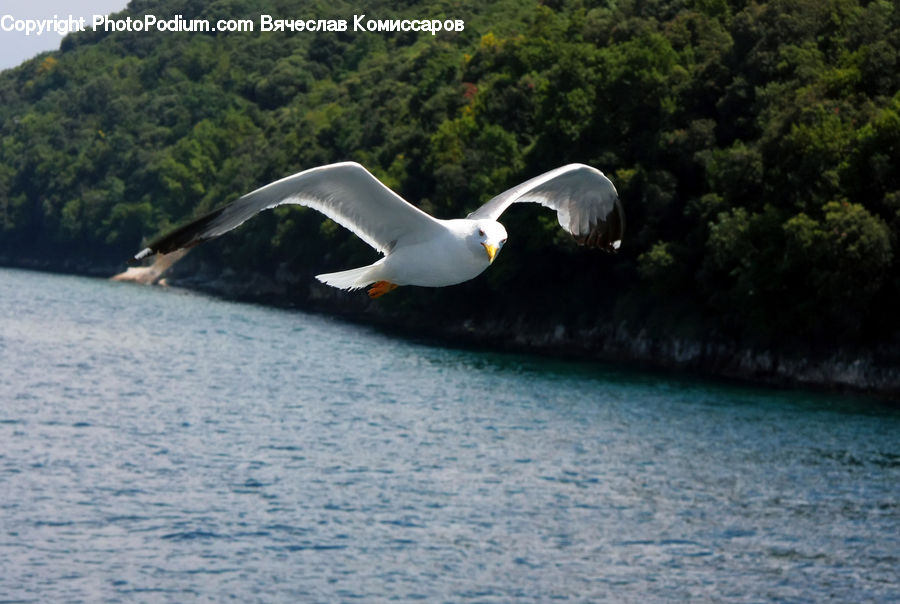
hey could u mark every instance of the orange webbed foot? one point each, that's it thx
(380, 288)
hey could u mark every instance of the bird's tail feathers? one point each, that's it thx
(355, 278)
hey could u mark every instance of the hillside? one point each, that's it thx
(755, 146)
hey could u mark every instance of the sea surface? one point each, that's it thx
(163, 446)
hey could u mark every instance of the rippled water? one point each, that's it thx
(164, 446)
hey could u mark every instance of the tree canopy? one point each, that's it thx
(755, 146)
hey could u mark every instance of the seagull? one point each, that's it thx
(417, 248)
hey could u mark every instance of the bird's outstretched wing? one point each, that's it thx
(345, 192)
(585, 201)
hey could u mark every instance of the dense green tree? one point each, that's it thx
(755, 146)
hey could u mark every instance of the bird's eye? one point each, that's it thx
(502, 241)
(481, 232)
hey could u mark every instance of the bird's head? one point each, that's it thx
(491, 236)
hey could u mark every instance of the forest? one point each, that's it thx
(755, 146)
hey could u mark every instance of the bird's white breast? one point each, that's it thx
(447, 259)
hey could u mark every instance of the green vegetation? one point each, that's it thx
(755, 145)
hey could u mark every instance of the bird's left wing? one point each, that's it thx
(585, 201)
(345, 192)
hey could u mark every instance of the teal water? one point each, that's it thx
(161, 446)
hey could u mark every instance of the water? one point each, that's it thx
(159, 446)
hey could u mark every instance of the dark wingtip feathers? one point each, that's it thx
(140, 256)
(606, 234)
(186, 236)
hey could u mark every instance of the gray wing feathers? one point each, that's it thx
(348, 194)
(586, 203)
(345, 192)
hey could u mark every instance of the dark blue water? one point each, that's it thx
(161, 446)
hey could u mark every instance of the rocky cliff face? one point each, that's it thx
(835, 370)
(873, 372)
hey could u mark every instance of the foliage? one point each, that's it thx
(755, 146)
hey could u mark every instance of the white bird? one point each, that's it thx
(418, 248)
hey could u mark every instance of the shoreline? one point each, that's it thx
(836, 371)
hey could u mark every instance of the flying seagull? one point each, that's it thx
(418, 249)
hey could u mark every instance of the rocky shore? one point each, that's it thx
(868, 372)
(876, 373)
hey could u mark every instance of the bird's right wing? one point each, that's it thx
(585, 201)
(345, 192)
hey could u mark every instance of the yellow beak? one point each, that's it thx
(491, 251)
